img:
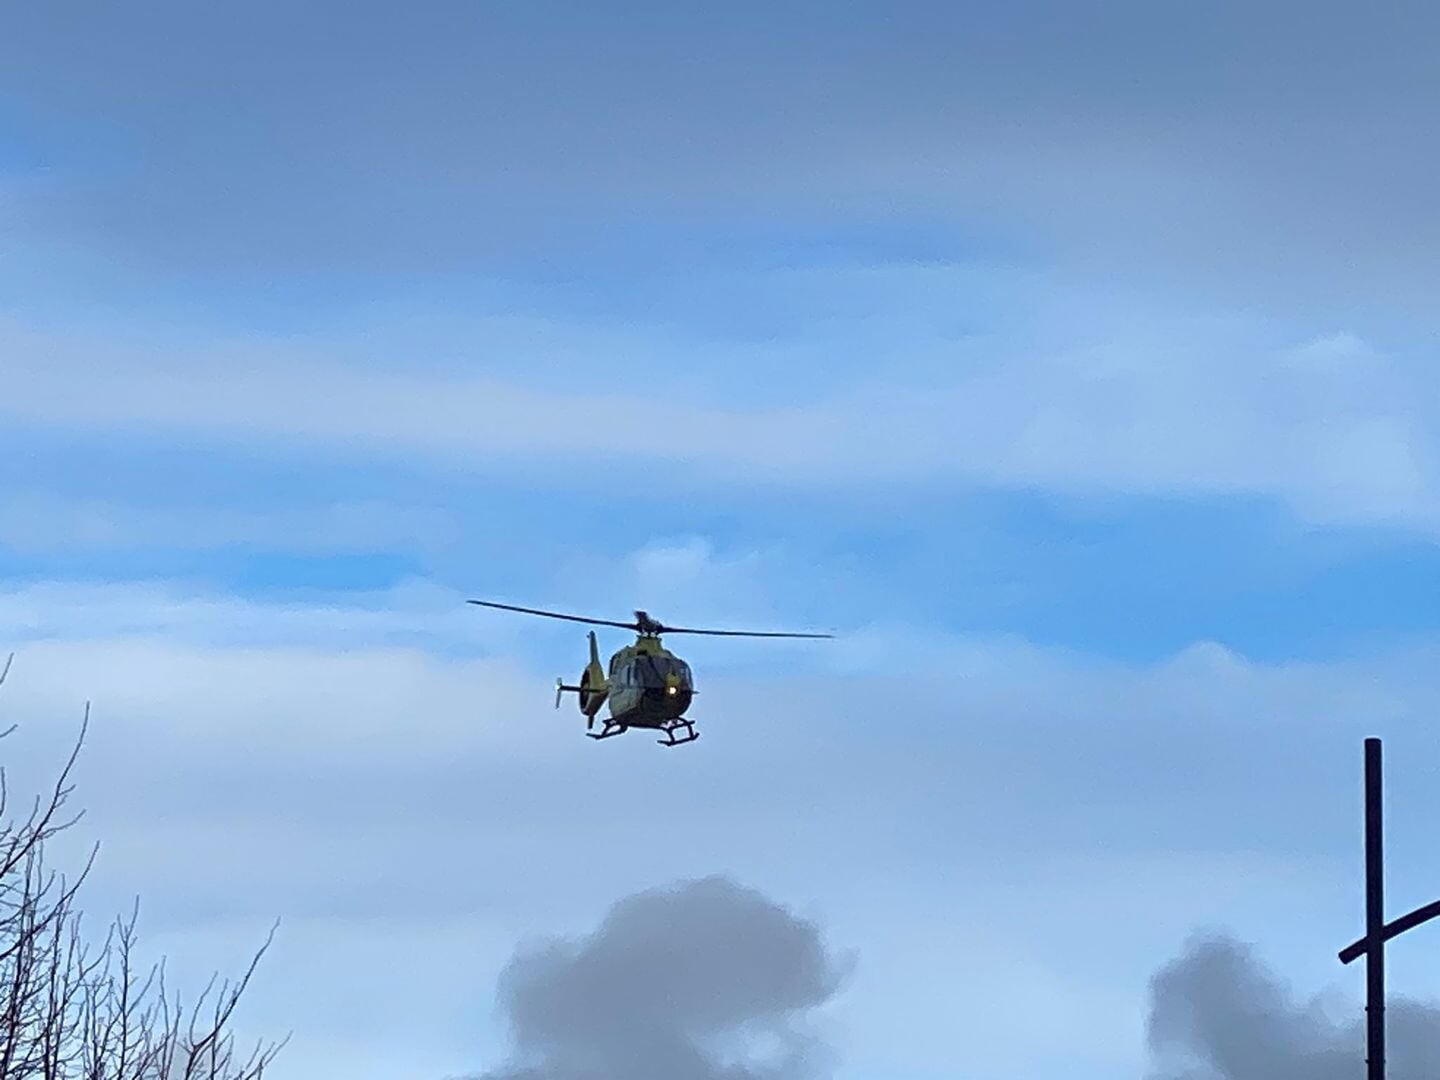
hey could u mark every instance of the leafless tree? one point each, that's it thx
(71, 1009)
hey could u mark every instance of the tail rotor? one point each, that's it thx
(590, 699)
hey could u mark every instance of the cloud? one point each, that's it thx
(414, 613)
(1131, 133)
(683, 983)
(387, 800)
(41, 523)
(1336, 429)
(1024, 115)
(692, 581)
(1217, 1014)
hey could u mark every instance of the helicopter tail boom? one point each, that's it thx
(592, 689)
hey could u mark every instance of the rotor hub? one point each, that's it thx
(646, 625)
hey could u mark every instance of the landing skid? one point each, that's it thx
(609, 731)
(676, 725)
(669, 729)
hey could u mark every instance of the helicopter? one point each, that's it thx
(646, 685)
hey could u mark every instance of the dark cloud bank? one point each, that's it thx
(708, 980)
(1290, 144)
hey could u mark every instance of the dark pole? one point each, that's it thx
(1374, 916)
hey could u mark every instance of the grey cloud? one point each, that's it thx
(675, 984)
(1230, 135)
(1217, 1014)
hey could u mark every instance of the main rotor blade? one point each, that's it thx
(554, 615)
(737, 633)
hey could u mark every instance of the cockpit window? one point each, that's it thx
(650, 672)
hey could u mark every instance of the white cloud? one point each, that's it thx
(1338, 350)
(36, 522)
(411, 612)
(689, 581)
(1164, 407)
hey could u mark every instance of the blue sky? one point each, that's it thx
(1073, 363)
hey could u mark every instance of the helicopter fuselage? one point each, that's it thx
(645, 686)
(649, 685)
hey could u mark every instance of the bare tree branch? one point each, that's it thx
(72, 1012)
